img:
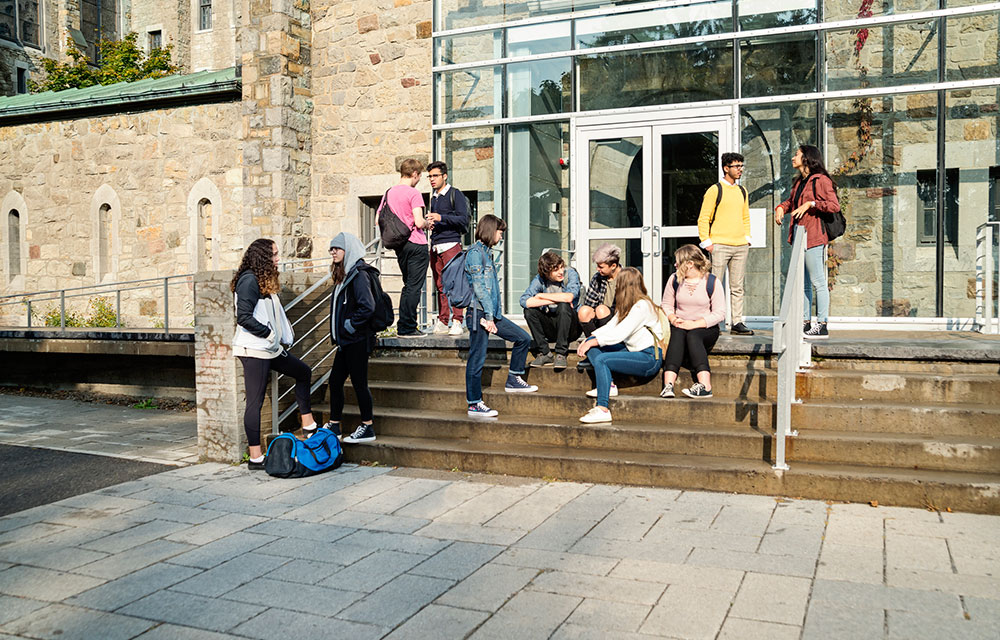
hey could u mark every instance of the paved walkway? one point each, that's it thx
(213, 551)
(148, 435)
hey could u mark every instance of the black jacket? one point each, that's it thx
(354, 308)
(454, 220)
(247, 295)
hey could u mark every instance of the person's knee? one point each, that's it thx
(602, 312)
(585, 314)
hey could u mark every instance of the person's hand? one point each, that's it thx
(434, 217)
(686, 324)
(584, 346)
(779, 215)
(710, 248)
(490, 326)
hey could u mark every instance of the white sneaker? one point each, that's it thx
(595, 415)
(614, 392)
(457, 328)
(440, 328)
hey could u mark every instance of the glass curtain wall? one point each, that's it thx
(912, 198)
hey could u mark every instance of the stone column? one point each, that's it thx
(218, 375)
(275, 54)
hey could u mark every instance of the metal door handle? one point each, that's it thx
(656, 241)
(643, 239)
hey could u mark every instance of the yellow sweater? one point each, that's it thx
(732, 220)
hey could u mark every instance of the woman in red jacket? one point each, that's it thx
(814, 196)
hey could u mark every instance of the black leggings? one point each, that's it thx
(351, 360)
(690, 347)
(255, 378)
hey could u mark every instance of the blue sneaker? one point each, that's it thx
(480, 410)
(516, 384)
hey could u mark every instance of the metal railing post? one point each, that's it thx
(790, 346)
(62, 310)
(118, 308)
(29, 314)
(166, 306)
(984, 277)
(274, 403)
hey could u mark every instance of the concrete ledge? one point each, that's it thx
(103, 345)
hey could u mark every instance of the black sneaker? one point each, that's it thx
(806, 326)
(413, 334)
(364, 433)
(698, 391)
(256, 466)
(818, 332)
(335, 428)
(668, 390)
(741, 329)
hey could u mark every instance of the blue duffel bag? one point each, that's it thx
(289, 457)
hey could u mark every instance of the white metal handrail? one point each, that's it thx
(986, 263)
(789, 345)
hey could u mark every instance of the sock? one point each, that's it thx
(588, 327)
(257, 460)
(309, 427)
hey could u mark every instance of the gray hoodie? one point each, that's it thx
(354, 250)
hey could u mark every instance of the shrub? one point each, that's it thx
(119, 61)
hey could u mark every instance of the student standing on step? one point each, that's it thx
(449, 213)
(351, 308)
(626, 344)
(694, 315)
(485, 317)
(550, 303)
(724, 231)
(261, 330)
(408, 205)
(813, 194)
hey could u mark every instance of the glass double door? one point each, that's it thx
(640, 186)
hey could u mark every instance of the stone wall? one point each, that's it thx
(215, 48)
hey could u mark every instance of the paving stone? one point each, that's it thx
(727, 580)
(302, 571)
(215, 529)
(568, 562)
(569, 631)
(486, 505)
(740, 629)
(667, 532)
(445, 499)
(250, 485)
(193, 611)
(628, 523)
(534, 509)
(176, 632)
(230, 504)
(751, 521)
(229, 575)
(61, 622)
(176, 513)
(99, 519)
(48, 555)
(591, 507)
(137, 535)
(275, 623)
(598, 614)
(663, 551)
(869, 596)
(864, 510)
(825, 621)
(527, 615)
(352, 519)
(118, 593)
(340, 551)
(757, 562)
(909, 625)
(308, 598)
(807, 513)
(396, 542)
(602, 588)
(136, 558)
(978, 566)
(12, 608)
(471, 533)
(914, 552)
(99, 502)
(556, 534)
(855, 531)
(800, 541)
(303, 530)
(324, 508)
(166, 495)
(396, 601)
(723, 499)
(966, 585)
(371, 572)
(43, 584)
(984, 609)
(488, 588)
(457, 560)
(770, 598)
(400, 496)
(223, 549)
(688, 612)
(439, 621)
(853, 564)
(396, 524)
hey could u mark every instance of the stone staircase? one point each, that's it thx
(901, 432)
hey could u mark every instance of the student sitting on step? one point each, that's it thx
(626, 344)
(694, 316)
(550, 303)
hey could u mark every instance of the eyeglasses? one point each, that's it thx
(434, 175)
(736, 166)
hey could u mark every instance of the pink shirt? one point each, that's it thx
(695, 305)
(403, 199)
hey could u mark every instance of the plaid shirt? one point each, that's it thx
(595, 291)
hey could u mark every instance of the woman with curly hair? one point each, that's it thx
(261, 330)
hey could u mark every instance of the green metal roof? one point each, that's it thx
(202, 83)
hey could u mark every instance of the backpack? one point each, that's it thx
(836, 225)
(455, 283)
(289, 457)
(709, 286)
(718, 200)
(384, 316)
(394, 232)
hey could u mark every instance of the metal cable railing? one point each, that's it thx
(789, 345)
(986, 264)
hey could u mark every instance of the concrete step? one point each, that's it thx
(833, 415)
(973, 492)
(874, 449)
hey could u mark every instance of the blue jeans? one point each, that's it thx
(816, 281)
(617, 358)
(478, 338)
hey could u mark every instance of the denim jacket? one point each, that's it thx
(570, 284)
(482, 273)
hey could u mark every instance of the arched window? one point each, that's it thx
(14, 219)
(105, 238)
(205, 207)
(205, 238)
(13, 243)
(104, 241)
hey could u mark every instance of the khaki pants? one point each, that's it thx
(735, 258)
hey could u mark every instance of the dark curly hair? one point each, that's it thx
(258, 259)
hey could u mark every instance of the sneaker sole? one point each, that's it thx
(610, 395)
(358, 440)
(483, 415)
(547, 364)
(704, 397)
(817, 337)
(601, 421)
(529, 390)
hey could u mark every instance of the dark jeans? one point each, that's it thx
(351, 360)
(478, 338)
(690, 347)
(255, 379)
(438, 261)
(616, 358)
(413, 260)
(560, 326)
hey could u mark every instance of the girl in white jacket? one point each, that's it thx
(261, 330)
(627, 344)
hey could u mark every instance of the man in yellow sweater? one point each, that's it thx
(724, 231)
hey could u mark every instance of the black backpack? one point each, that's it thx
(394, 232)
(383, 317)
(835, 224)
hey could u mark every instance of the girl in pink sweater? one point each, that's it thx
(694, 317)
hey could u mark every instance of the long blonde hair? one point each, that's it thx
(629, 289)
(696, 256)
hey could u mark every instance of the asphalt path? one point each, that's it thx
(30, 477)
